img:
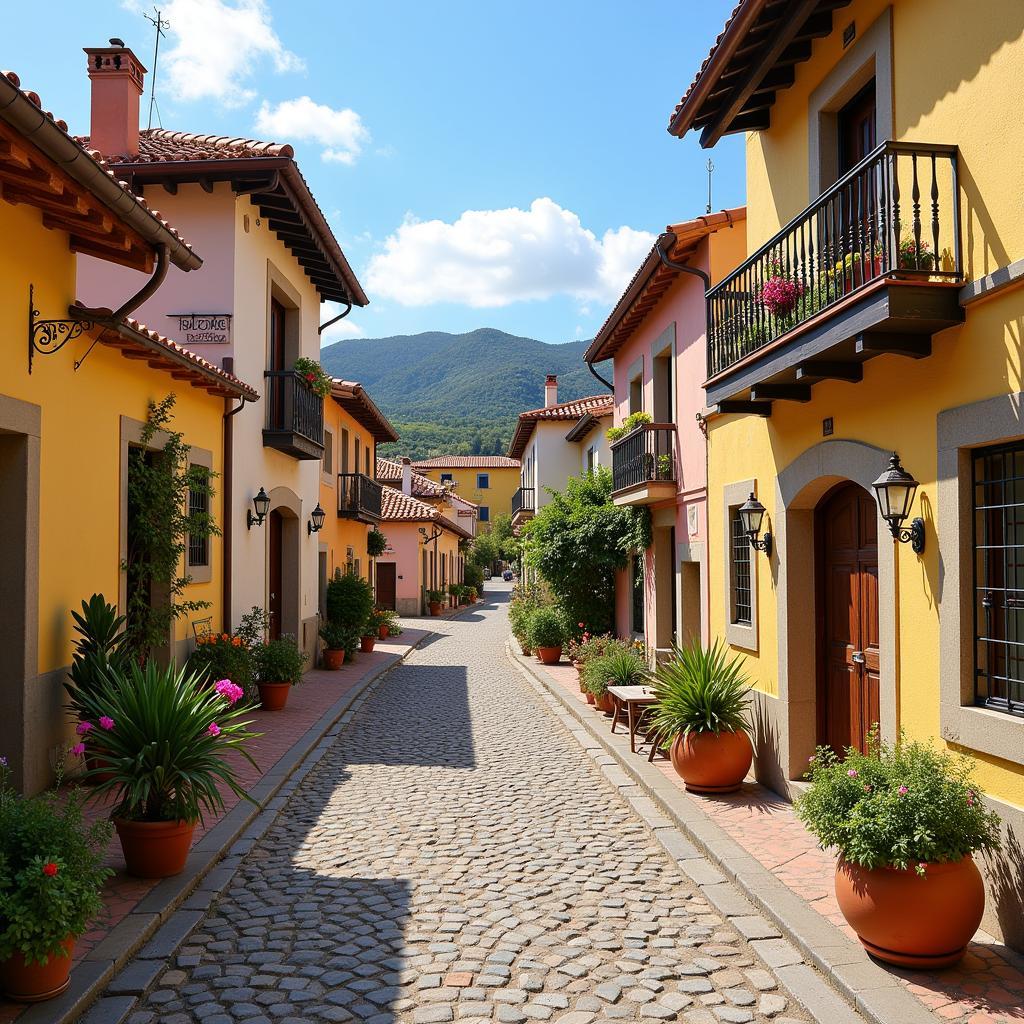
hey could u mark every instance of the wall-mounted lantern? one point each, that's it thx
(262, 505)
(316, 520)
(751, 514)
(895, 490)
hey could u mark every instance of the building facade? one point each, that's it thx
(488, 481)
(877, 311)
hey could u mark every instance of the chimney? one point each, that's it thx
(117, 77)
(406, 475)
(550, 391)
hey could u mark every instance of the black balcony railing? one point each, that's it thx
(644, 455)
(358, 496)
(896, 212)
(522, 500)
(292, 407)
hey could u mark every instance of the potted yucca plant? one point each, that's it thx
(618, 666)
(164, 736)
(702, 712)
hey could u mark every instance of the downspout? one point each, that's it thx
(607, 384)
(334, 320)
(129, 306)
(228, 461)
(270, 185)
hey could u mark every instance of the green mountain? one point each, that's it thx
(459, 393)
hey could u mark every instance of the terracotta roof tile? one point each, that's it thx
(399, 507)
(353, 398)
(158, 145)
(467, 462)
(592, 405)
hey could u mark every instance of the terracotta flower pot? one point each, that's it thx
(712, 762)
(154, 849)
(382, 632)
(435, 607)
(32, 983)
(366, 644)
(591, 699)
(274, 696)
(333, 660)
(605, 703)
(549, 655)
(909, 920)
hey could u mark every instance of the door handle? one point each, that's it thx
(858, 657)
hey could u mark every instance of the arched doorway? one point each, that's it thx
(846, 528)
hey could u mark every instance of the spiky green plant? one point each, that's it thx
(700, 690)
(618, 666)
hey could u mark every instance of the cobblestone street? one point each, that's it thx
(457, 856)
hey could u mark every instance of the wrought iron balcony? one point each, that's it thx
(359, 497)
(852, 276)
(295, 416)
(523, 503)
(644, 465)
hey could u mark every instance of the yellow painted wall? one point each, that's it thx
(504, 482)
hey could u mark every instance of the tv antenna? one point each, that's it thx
(711, 170)
(159, 23)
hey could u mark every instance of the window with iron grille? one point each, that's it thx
(740, 570)
(198, 505)
(999, 578)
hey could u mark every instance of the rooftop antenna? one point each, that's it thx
(711, 170)
(159, 23)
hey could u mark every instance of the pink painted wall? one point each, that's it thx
(404, 550)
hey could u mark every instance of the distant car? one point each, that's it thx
(507, 575)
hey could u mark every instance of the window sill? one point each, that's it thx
(739, 635)
(985, 731)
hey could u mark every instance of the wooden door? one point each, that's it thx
(857, 128)
(386, 584)
(275, 572)
(848, 683)
(277, 365)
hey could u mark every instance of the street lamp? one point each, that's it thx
(262, 505)
(316, 520)
(895, 490)
(751, 514)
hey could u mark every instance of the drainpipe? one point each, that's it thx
(130, 305)
(227, 532)
(334, 320)
(607, 384)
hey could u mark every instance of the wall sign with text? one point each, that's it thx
(203, 328)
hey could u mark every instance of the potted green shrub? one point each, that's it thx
(376, 543)
(51, 883)
(165, 734)
(349, 600)
(279, 664)
(702, 711)
(368, 634)
(453, 594)
(334, 638)
(387, 623)
(546, 634)
(617, 666)
(905, 820)
(435, 600)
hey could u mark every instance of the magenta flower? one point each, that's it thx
(852, 773)
(83, 727)
(213, 729)
(106, 722)
(229, 691)
(903, 791)
(810, 760)
(78, 750)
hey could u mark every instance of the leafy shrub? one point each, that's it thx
(473, 575)
(376, 543)
(472, 593)
(222, 656)
(164, 736)
(51, 870)
(333, 636)
(700, 690)
(435, 596)
(280, 660)
(589, 646)
(546, 628)
(253, 627)
(629, 424)
(896, 806)
(349, 600)
(386, 617)
(618, 666)
(595, 673)
(314, 375)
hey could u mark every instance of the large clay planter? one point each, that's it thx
(435, 607)
(909, 920)
(549, 655)
(605, 703)
(591, 699)
(274, 696)
(382, 633)
(366, 644)
(154, 849)
(333, 660)
(32, 983)
(712, 762)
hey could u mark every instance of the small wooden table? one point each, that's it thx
(634, 699)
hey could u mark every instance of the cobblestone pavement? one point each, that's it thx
(456, 856)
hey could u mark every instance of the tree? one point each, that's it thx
(579, 540)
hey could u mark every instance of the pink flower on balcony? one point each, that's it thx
(780, 294)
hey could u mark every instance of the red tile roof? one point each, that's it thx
(653, 279)
(399, 507)
(390, 470)
(161, 144)
(467, 462)
(593, 405)
(352, 397)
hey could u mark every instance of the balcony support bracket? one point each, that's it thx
(781, 392)
(746, 408)
(915, 346)
(827, 370)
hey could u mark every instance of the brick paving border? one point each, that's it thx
(718, 857)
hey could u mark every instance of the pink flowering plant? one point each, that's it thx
(782, 291)
(898, 806)
(314, 375)
(163, 739)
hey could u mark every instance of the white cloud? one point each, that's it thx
(342, 329)
(341, 132)
(216, 45)
(490, 258)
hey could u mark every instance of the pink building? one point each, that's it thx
(656, 337)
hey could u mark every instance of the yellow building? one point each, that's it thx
(879, 311)
(75, 390)
(489, 481)
(349, 493)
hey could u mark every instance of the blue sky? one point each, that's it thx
(481, 164)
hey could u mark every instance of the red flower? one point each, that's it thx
(50, 869)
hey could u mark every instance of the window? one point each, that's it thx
(638, 594)
(328, 461)
(591, 459)
(740, 570)
(485, 514)
(483, 481)
(199, 505)
(998, 503)
(344, 451)
(446, 478)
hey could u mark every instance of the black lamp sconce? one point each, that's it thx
(751, 514)
(262, 505)
(895, 490)
(316, 520)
